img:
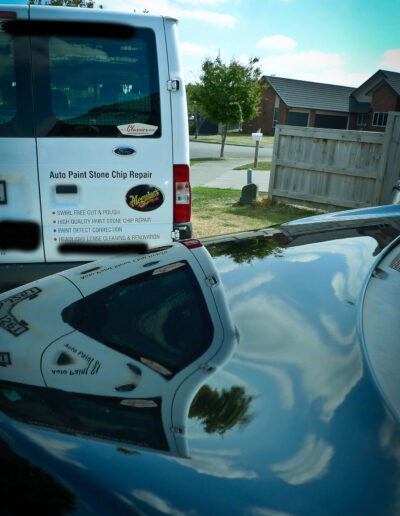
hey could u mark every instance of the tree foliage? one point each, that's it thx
(229, 93)
(66, 3)
(194, 107)
(221, 411)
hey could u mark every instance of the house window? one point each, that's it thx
(380, 119)
(363, 119)
(276, 113)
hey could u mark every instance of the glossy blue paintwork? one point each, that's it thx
(319, 439)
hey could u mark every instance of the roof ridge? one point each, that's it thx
(310, 82)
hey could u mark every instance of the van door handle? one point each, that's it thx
(66, 189)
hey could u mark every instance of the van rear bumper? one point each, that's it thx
(184, 228)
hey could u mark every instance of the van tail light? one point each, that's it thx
(192, 243)
(182, 194)
(8, 15)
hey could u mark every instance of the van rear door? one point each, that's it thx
(19, 188)
(103, 125)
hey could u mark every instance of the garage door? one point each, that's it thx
(331, 121)
(297, 118)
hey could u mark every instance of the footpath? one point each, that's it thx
(221, 174)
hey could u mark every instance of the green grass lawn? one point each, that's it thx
(214, 213)
(262, 165)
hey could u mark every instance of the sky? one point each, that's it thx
(332, 41)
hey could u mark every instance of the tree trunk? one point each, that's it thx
(223, 138)
(196, 124)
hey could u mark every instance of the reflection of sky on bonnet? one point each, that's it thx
(299, 353)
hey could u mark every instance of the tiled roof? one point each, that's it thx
(312, 95)
(393, 79)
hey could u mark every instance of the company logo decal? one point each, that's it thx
(137, 129)
(144, 198)
(124, 151)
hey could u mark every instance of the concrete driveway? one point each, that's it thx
(221, 173)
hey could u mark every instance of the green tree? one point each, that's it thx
(221, 411)
(194, 107)
(229, 94)
(66, 3)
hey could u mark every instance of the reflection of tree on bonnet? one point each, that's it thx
(247, 250)
(221, 411)
(65, 3)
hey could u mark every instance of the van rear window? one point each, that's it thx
(158, 318)
(16, 114)
(100, 417)
(96, 85)
(8, 97)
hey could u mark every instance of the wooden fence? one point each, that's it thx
(334, 167)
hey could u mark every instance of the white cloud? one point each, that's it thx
(281, 377)
(282, 324)
(391, 60)
(339, 285)
(263, 511)
(59, 448)
(304, 258)
(312, 60)
(222, 20)
(221, 465)
(312, 66)
(309, 463)
(256, 282)
(156, 502)
(202, 2)
(191, 49)
(277, 42)
(166, 8)
(333, 328)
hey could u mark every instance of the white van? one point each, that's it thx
(93, 132)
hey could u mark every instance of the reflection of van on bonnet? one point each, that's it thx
(123, 343)
(93, 129)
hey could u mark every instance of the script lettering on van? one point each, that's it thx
(137, 129)
(144, 198)
(7, 319)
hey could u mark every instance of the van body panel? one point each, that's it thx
(97, 166)
(18, 164)
(179, 117)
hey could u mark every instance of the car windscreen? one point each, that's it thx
(95, 416)
(159, 318)
(94, 80)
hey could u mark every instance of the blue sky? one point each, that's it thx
(334, 41)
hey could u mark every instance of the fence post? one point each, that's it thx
(392, 172)
(273, 163)
(380, 178)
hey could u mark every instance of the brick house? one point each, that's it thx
(371, 102)
(312, 104)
